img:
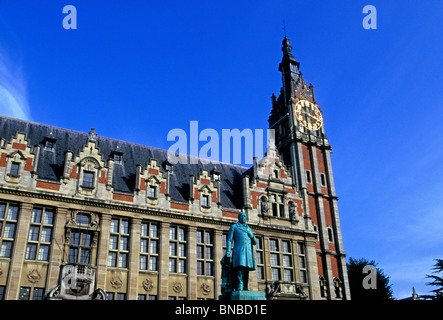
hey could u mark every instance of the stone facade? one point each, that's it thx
(153, 230)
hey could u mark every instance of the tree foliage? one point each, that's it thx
(437, 280)
(356, 277)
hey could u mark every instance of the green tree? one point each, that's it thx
(357, 277)
(437, 280)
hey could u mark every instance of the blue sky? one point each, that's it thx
(137, 69)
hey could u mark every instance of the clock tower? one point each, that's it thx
(303, 146)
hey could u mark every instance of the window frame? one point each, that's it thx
(8, 217)
(177, 262)
(205, 262)
(150, 239)
(88, 183)
(16, 167)
(122, 236)
(39, 223)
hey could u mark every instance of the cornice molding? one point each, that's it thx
(199, 218)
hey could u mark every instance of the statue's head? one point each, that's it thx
(242, 217)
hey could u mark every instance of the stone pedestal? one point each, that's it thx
(248, 295)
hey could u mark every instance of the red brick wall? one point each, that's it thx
(19, 146)
(306, 157)
(122, 197)
(153, 171)
(28, 165)
(214, 196)
(3, 161)
(229, 214)
(334, 266)
(163, 187)
(142, 184)
(74, 174)
(102, 178)
(205, 181)
(179, 206)
(48, 185)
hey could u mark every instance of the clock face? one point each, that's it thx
(309, 115)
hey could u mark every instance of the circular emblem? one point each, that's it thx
(148, 284)
(309, 115)
(34, 276)
(177, 287)
(206, 289)
(116, 282)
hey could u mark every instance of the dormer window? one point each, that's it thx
(117, 158)
(88, 179)
(152, 192)
(49, 145)
(278, 207)
(15, 168)
(49, 142)
(276, 174)
(169, 167)
(205, 201)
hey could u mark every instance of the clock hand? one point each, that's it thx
(309, 115)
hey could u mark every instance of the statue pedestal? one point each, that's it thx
(248, 295)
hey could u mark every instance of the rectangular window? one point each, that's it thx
(153, 263)
(308, 177)
(275, 274)
(273, 244)
(281, 260)
(8, 223)
(117, 158)
(119, 243)
(274, 209)
(278, 206)
(40, 234)
(2, 292)
(205, 262)
(152, 192)
(80, 246)
(43, 253)
(37, 294)
(330, 236)
(205, 201)
(302, 262)
(15, 167)
(88, 179)
(25, 293)
(260, 261)
(323, 179)
(177, 249)
(31, 251)
(274, 259)
(49, 145)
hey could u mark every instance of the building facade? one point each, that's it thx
(129, 224)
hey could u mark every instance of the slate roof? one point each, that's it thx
(51, 163)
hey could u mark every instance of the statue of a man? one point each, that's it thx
(243, 259)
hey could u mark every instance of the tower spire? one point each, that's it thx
(289, 67)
